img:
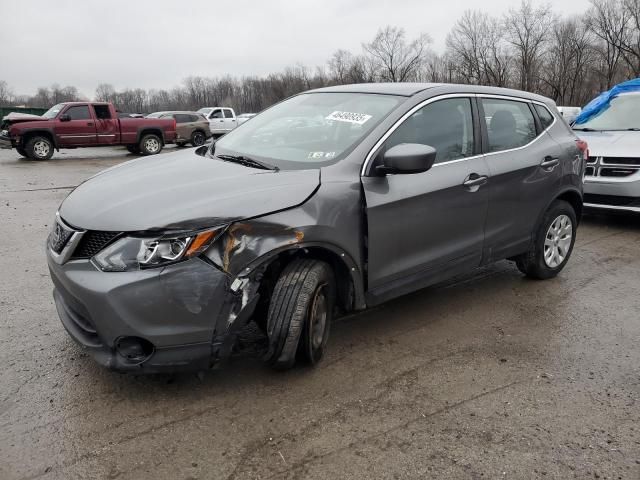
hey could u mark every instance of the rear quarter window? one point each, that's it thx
(546, 118)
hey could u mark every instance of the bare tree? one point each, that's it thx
(6, 94)
(609, 21)
(105, 93)
(476, 43)
(397, 60)
(527, 31)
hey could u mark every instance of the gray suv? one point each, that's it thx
(329, 202)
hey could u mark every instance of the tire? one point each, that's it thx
(180, 144)
(198, 138)
(304, 287)
(133, 148)
(150, 144)
(21, 151)
(39, 148)
(552, 244)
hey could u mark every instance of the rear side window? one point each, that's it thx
(80, 112)
(182, 118)
(102, 111)
(546, 119)
(196, 118)
(228, 113)
(510, 124)
(446, 125)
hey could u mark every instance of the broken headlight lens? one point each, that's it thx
(133, 253)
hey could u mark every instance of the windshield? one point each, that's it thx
(622, 114)
(53, 111)
(308, 130)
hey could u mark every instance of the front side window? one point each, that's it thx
(546, 119)
(510, 124)
(216, 114)
(80, 112)
(446, 125)
(309, 130)
(621, 114)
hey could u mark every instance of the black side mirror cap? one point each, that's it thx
(407, 158)
(64, 118)
(202, 150)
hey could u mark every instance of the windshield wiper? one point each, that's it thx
(247, 162)
(633, 129)
(585, 129)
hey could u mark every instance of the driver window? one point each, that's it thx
(216, 114)
(446, 125)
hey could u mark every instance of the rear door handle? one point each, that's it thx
(475, 180)
(550, 162)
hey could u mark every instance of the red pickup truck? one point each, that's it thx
(83, 124)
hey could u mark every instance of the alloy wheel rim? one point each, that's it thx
(198, 140)
(318, 317)
(557, 242)
(41, 148)
(152, 145)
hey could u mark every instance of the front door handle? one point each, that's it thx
(474, 181)
(549, 162)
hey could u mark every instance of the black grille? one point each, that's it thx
(590, 171)
(92, 242)
(611, 200)
(621, 160)
(616, 172)
(592, 160)
(59, 237)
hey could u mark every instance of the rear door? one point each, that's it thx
(428, 226)
(107, 127)
(230, 120)
(183, 126)
(524, 163)
(78, 130)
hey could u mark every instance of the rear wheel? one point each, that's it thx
(552, 244)
(150, 144)
(198, 138)
(300, 313)
(39, 148)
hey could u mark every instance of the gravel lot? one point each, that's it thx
(488, 376)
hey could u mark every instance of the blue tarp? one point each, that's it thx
(602, 101)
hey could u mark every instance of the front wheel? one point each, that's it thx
(300, 313)
(552, 244)
(150, 144)
(39, 148)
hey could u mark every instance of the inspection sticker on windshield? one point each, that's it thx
(351, 117)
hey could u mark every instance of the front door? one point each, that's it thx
(75, 126)
(428, 226)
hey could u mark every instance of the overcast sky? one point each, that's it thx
(157, 43)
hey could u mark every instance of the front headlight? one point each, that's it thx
(133, 253)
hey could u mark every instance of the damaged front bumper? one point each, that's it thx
(181, 317)
(5, 140)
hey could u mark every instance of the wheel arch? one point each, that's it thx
(150, 130)
(349, 287)
(28, 134)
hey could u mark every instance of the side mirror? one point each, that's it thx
(202, 150)
(64, 118)
(407, 158)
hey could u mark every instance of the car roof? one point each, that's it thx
(408, 89)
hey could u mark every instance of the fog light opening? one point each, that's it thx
(134, 349)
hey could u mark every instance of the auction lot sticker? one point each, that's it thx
(351, 117)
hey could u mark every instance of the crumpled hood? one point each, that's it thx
(612, 144)
(20, 117)
(182, 191)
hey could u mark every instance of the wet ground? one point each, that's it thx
(489, 376)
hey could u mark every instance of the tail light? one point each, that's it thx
(175, 125)
(584, 149)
